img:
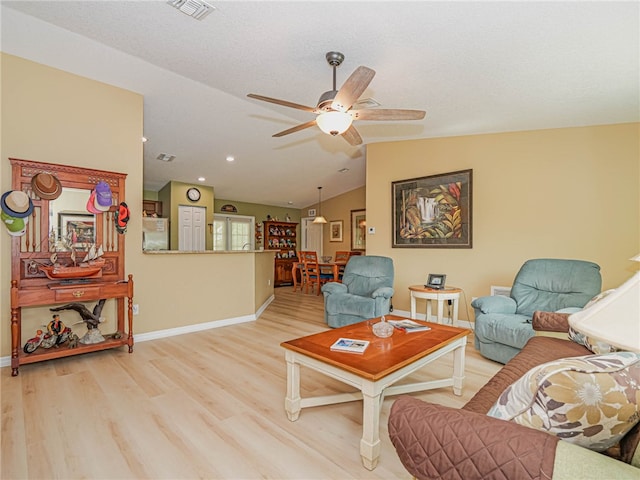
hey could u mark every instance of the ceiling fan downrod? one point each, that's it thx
(334, 59)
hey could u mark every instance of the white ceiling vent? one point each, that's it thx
(194, 8)
(165, 157)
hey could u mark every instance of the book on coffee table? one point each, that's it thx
(409, 325)
(350, 345)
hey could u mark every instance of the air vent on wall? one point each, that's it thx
(194, 8)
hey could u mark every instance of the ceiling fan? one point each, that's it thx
(334, 112)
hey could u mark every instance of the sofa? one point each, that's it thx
(435, 441)
(503, 324)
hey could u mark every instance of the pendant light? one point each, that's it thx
(319, 218)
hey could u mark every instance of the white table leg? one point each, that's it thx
(428, 312)
(292, 400)
(458, 368)
(413, 306)
(454, 320)
(370, 443)
(440, 310)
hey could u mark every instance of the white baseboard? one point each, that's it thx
(171, 332)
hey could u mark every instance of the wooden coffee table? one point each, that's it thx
(373, 372)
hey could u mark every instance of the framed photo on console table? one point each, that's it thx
(433, 211)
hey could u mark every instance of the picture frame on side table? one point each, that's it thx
(358, 230)
(433, 211)
(335, 231)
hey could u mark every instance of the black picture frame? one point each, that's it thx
(436, 281)
(433, 211)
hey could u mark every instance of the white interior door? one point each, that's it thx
(191, 225)
(311, 236)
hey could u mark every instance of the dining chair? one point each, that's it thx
(298, 267)
(312, 273)
(342, 257)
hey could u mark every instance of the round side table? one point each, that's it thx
(429, 294)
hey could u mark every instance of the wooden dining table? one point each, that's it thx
(324, 266)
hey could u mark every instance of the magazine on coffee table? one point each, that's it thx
(409, 325)
(350, 345)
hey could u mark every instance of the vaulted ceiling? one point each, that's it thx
(475, 67)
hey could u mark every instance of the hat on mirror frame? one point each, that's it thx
(91, 203)
(121, 217)
(16, 203)
(16, 226)
(103, 196)
(46, 186)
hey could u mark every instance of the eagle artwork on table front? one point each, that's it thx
(91, 318)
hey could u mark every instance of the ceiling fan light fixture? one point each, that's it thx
(334, 123)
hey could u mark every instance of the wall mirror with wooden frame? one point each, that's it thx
(63, 225)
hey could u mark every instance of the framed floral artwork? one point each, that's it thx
(433, 211)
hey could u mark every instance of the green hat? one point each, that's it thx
(16, 226)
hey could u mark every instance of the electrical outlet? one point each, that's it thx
(136, 309)
(269, 282)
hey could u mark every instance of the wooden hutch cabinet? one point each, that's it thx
(45, 236)
(281, 236)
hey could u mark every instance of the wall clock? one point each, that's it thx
(193, 194)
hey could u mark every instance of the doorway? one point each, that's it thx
(311, 236)
(191, 228)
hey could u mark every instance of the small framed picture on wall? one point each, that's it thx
(335, 230)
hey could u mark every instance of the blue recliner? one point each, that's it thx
(365, 291)
(503, 324)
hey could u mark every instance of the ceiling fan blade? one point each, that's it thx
(352, 136)
(297, 128)
(284, 103)
(387, 114)
(355, 85)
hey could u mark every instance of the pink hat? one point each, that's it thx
(91, 203)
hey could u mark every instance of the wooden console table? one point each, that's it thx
(58, 293)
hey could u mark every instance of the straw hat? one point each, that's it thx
(16, 203)
(46, 186)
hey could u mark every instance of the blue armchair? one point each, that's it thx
(365, 291)
(503, 324)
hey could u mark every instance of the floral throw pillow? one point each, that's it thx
(592, 401)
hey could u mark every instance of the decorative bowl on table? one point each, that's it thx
(382, 329)
(326, 259)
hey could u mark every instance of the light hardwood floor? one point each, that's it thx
(200, 405)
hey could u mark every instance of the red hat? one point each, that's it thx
(121, 217)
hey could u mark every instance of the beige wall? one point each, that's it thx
(339, 208)
(52, 116)
(560, 193)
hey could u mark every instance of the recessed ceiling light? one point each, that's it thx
(290, 202)
(230, 158)
(165, 157)
(201, 179)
